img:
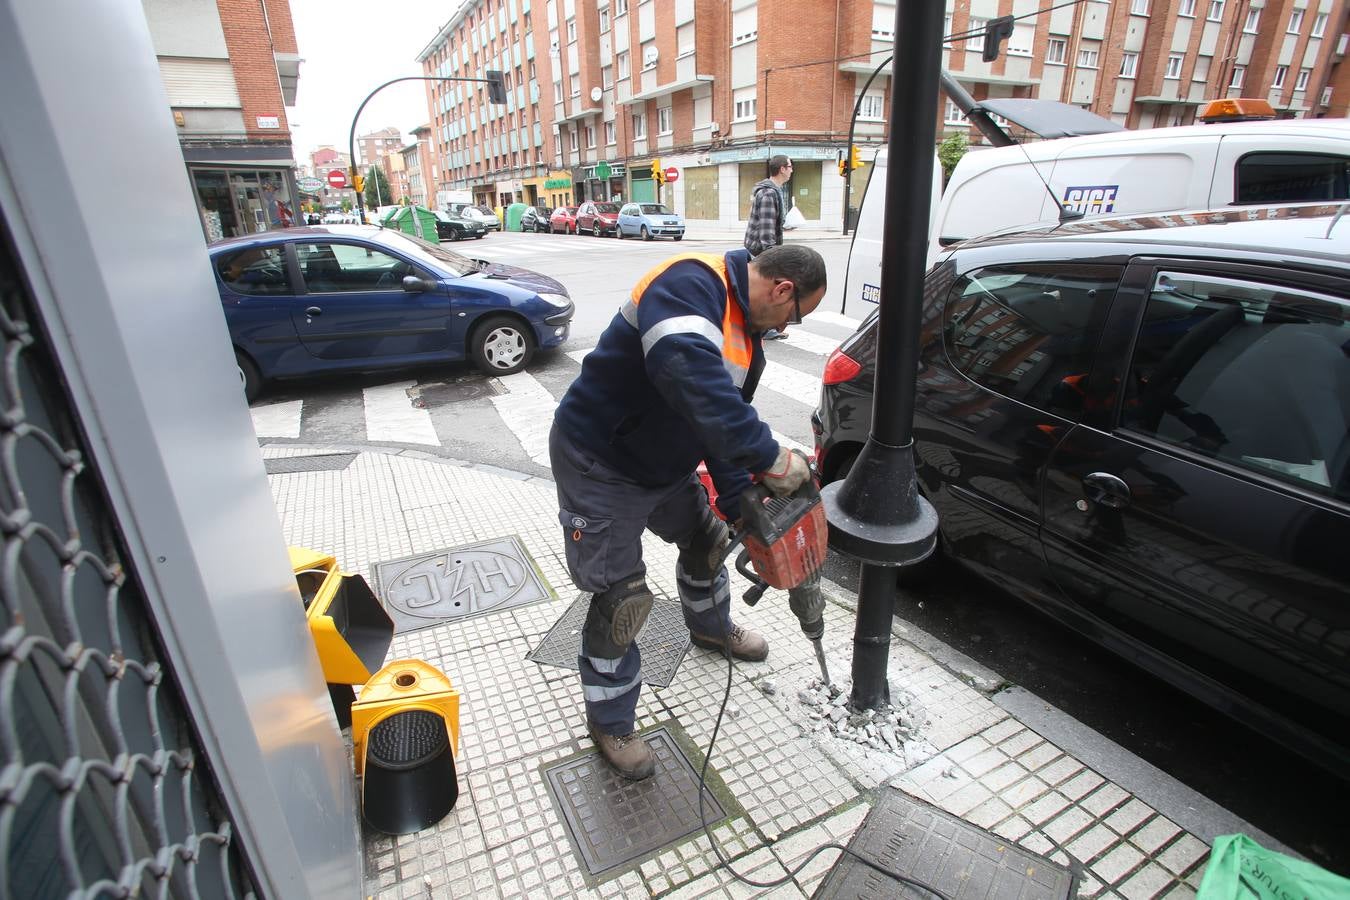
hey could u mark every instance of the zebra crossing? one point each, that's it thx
(509, 428)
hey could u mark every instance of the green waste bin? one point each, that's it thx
(415, 220)
(513, 214)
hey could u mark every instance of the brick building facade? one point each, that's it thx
(714, 88)
(230, 69)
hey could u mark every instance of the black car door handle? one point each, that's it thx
(1107, 490)
(313, 311)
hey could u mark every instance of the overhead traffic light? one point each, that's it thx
(359, 182)
(496, 84)
(658, 175)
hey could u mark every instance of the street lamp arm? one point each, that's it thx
(351, 135)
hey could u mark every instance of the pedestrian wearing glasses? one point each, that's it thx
(669, 385)
(767, 212)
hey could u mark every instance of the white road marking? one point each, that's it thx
(812, 343)
(579, 355)
(277, 419)
(528, 411)
(390, 416)
(833, 318)
(791, 383)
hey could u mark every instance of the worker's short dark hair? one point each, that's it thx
(804, 267)
(777, 163)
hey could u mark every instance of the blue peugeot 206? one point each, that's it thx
(307, 301)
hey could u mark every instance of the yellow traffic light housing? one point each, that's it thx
(658, 175)
(359, 182)
(855, 158)
(843, 167)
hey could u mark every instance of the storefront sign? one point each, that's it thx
(559, 181)
(309, 185)
(269, 121)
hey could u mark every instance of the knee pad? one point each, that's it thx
(701, 550)
(616, 616)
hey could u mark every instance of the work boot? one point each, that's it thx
(627, 753)
(744, 644)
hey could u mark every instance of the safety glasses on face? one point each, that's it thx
(796, 317)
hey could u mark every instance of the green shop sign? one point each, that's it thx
(558, 183)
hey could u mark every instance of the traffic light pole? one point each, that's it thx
(496, 94)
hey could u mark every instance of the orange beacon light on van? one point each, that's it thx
(1236, 109)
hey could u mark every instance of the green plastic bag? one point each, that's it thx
(1241, 869)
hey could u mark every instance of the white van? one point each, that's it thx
(1194, 167)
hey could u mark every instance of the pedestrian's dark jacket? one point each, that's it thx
(765, 226)
(671, 379)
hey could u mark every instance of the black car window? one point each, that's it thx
(1029, 332)
(336, 268)
(1253, 374)
(1292, 177)
(257, 270)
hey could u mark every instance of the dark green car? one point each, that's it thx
(450, 227)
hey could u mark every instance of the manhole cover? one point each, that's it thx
(923, 842)
(323, 462)
(439, 394)
(430, 588)
(612, 820)
(663, 641)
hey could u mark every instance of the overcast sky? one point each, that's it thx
(349, 48)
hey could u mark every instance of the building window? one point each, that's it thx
(604, 21)
(1281, 73)
(975, 30)
(1302, 83)
(590, 137)
(1187, 9)
(620, 8)
(1174, 66)
(1055, 49)
(953, 115)
(609, 134)
(664, 120)
(623, 64)
(573, 134)
(1201, 70)
(607, 77)
(1128, 63)
(1215, 11)
(744, 26)
(1239, 74)
(745, 110)
(1253, 19)
(639, 126)
(873, 107)
(1138, 7)
(1319, 25)
(1020, 41)
(1087, 58)
(1295, 22)
(571, 31)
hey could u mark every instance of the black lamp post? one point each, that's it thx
(495, 81)
(876, 514)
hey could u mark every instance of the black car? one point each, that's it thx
(451, 227)
(1144, 431)
(535, 218)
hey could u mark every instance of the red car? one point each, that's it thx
(564, 219)
(599, 219)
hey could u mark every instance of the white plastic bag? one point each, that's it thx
(793, 218)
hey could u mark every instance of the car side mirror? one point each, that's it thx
(414, 285)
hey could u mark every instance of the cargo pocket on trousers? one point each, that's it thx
(588, 550)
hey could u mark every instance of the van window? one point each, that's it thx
(1029, 332)
(1248, 373)
(1292, 177)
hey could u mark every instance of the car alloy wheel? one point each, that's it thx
(597, 230)
(502, 345)
(646, 235)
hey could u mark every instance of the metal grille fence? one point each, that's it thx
(104, 790)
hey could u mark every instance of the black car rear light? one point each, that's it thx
(840, 367)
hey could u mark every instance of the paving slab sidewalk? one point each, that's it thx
(794, 785)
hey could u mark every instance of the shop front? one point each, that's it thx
(237, 201)
(558, 190)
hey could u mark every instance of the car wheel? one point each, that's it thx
(646, 235)
(596, 230)
(249, 377)
(679, 237)
(502, 345)
(454, 234)
(618, 232)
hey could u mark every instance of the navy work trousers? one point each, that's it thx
(603, 514)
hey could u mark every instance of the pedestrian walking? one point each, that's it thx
(670, 384)
(764, 229)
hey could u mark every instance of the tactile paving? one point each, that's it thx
(612, 820)
(925, 843)
(459, 582)
(319, 462)
(663, 640)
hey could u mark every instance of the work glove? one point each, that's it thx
(790, 471)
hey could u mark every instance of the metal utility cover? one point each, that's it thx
(613, 821)
(663, 640)
(431, 396)
(476, 579)
(322, 462)
(923, 842)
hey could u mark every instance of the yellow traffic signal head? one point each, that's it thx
(359, 182)
(843, 167)
(855, 159)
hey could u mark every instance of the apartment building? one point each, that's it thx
(602, 89)
(372, 148)
(230, 68)
(418, 167)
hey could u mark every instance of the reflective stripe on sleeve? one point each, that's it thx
(682, 325)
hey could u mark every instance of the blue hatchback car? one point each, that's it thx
(305, 301)
(650, 220)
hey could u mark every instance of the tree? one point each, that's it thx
(377, 189)
(950, 151)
